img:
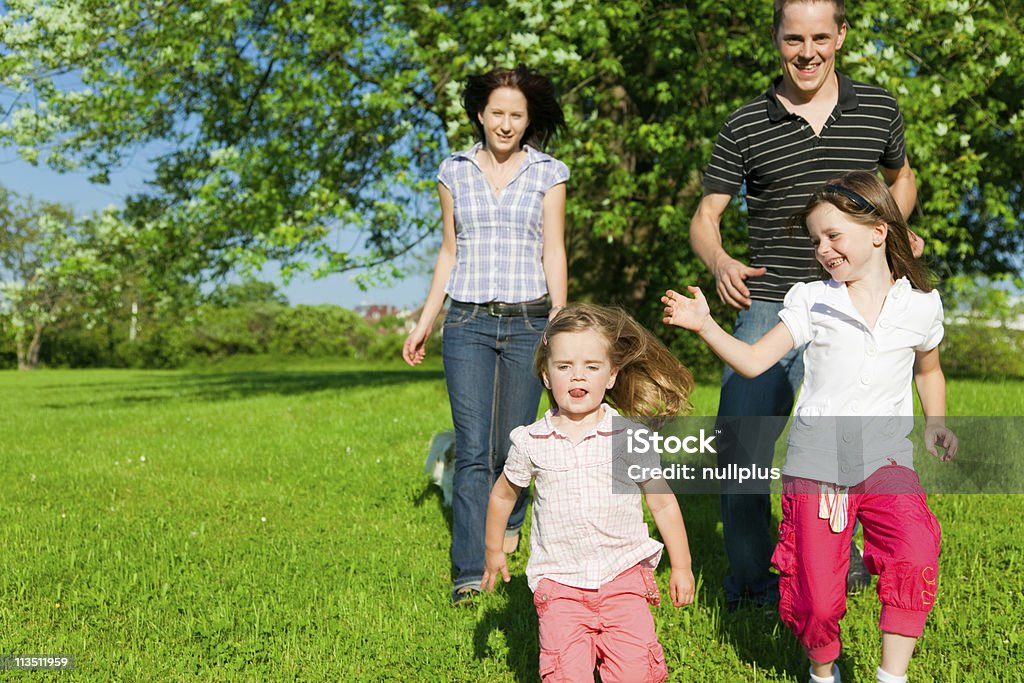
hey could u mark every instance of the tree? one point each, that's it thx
(956, 67)
(649, 83)
(249, 291)
(637, 79)
(285, 120)
(50, 266)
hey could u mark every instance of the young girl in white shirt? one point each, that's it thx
(592, 561)
(870, 329)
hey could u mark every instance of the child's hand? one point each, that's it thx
(681, 586)
(682, 311)
(942, 435)
(494, 563)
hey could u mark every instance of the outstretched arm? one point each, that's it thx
(665, 509)
(749, 360)
(499, 508)
(931, 387)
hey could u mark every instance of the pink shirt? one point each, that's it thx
(583, 535)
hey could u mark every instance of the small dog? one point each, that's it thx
(440, 464)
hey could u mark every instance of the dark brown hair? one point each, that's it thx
(780, 6)
(546, 117)
(864, 198)
(651, 380)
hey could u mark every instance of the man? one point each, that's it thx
(811, 125)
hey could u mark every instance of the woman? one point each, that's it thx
(502, 263)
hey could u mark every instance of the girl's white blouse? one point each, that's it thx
(856, 406)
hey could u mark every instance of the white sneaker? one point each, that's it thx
(835, 676)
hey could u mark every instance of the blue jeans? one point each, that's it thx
(488, 366)
(746, 515)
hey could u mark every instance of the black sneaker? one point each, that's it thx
(858, 577)
(464, 596)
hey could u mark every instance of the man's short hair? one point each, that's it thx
(780, 5)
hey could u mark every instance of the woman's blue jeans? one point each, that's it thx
(488, 366)
(746, 513)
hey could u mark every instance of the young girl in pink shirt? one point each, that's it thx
(592, 560)
(871, 329)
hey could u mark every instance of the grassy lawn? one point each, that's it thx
(277, 525)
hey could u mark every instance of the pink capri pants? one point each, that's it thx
(901, 547)
(610, 628)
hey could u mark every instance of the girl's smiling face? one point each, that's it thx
(579, 372)
(844, 247)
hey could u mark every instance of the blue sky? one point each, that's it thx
(75, 190)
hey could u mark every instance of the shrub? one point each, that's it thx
(323, 330)
(229, 331)
(77, 345)
(977, 350)
(212, 332)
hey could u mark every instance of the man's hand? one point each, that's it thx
(729, 276)
(916, 244)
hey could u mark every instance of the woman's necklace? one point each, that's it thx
(498, 177)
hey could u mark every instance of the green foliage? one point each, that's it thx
(211, 333)
(158, 346)
(983, 299)
(282, 121)
(647, 86)
(8, 353)
(286, 121)
(54, 267)
(979, 350)
(321, 331)
(249, 291)
(957, 69)
(229, 331)
(638, 82)
(982, 337)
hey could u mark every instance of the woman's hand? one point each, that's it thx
(682, 311)
(415, 347)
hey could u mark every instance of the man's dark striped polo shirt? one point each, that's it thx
(782, 161)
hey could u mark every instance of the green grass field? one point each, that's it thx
(245, 525)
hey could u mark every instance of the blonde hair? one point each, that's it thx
(651, 381)
(865, 199)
